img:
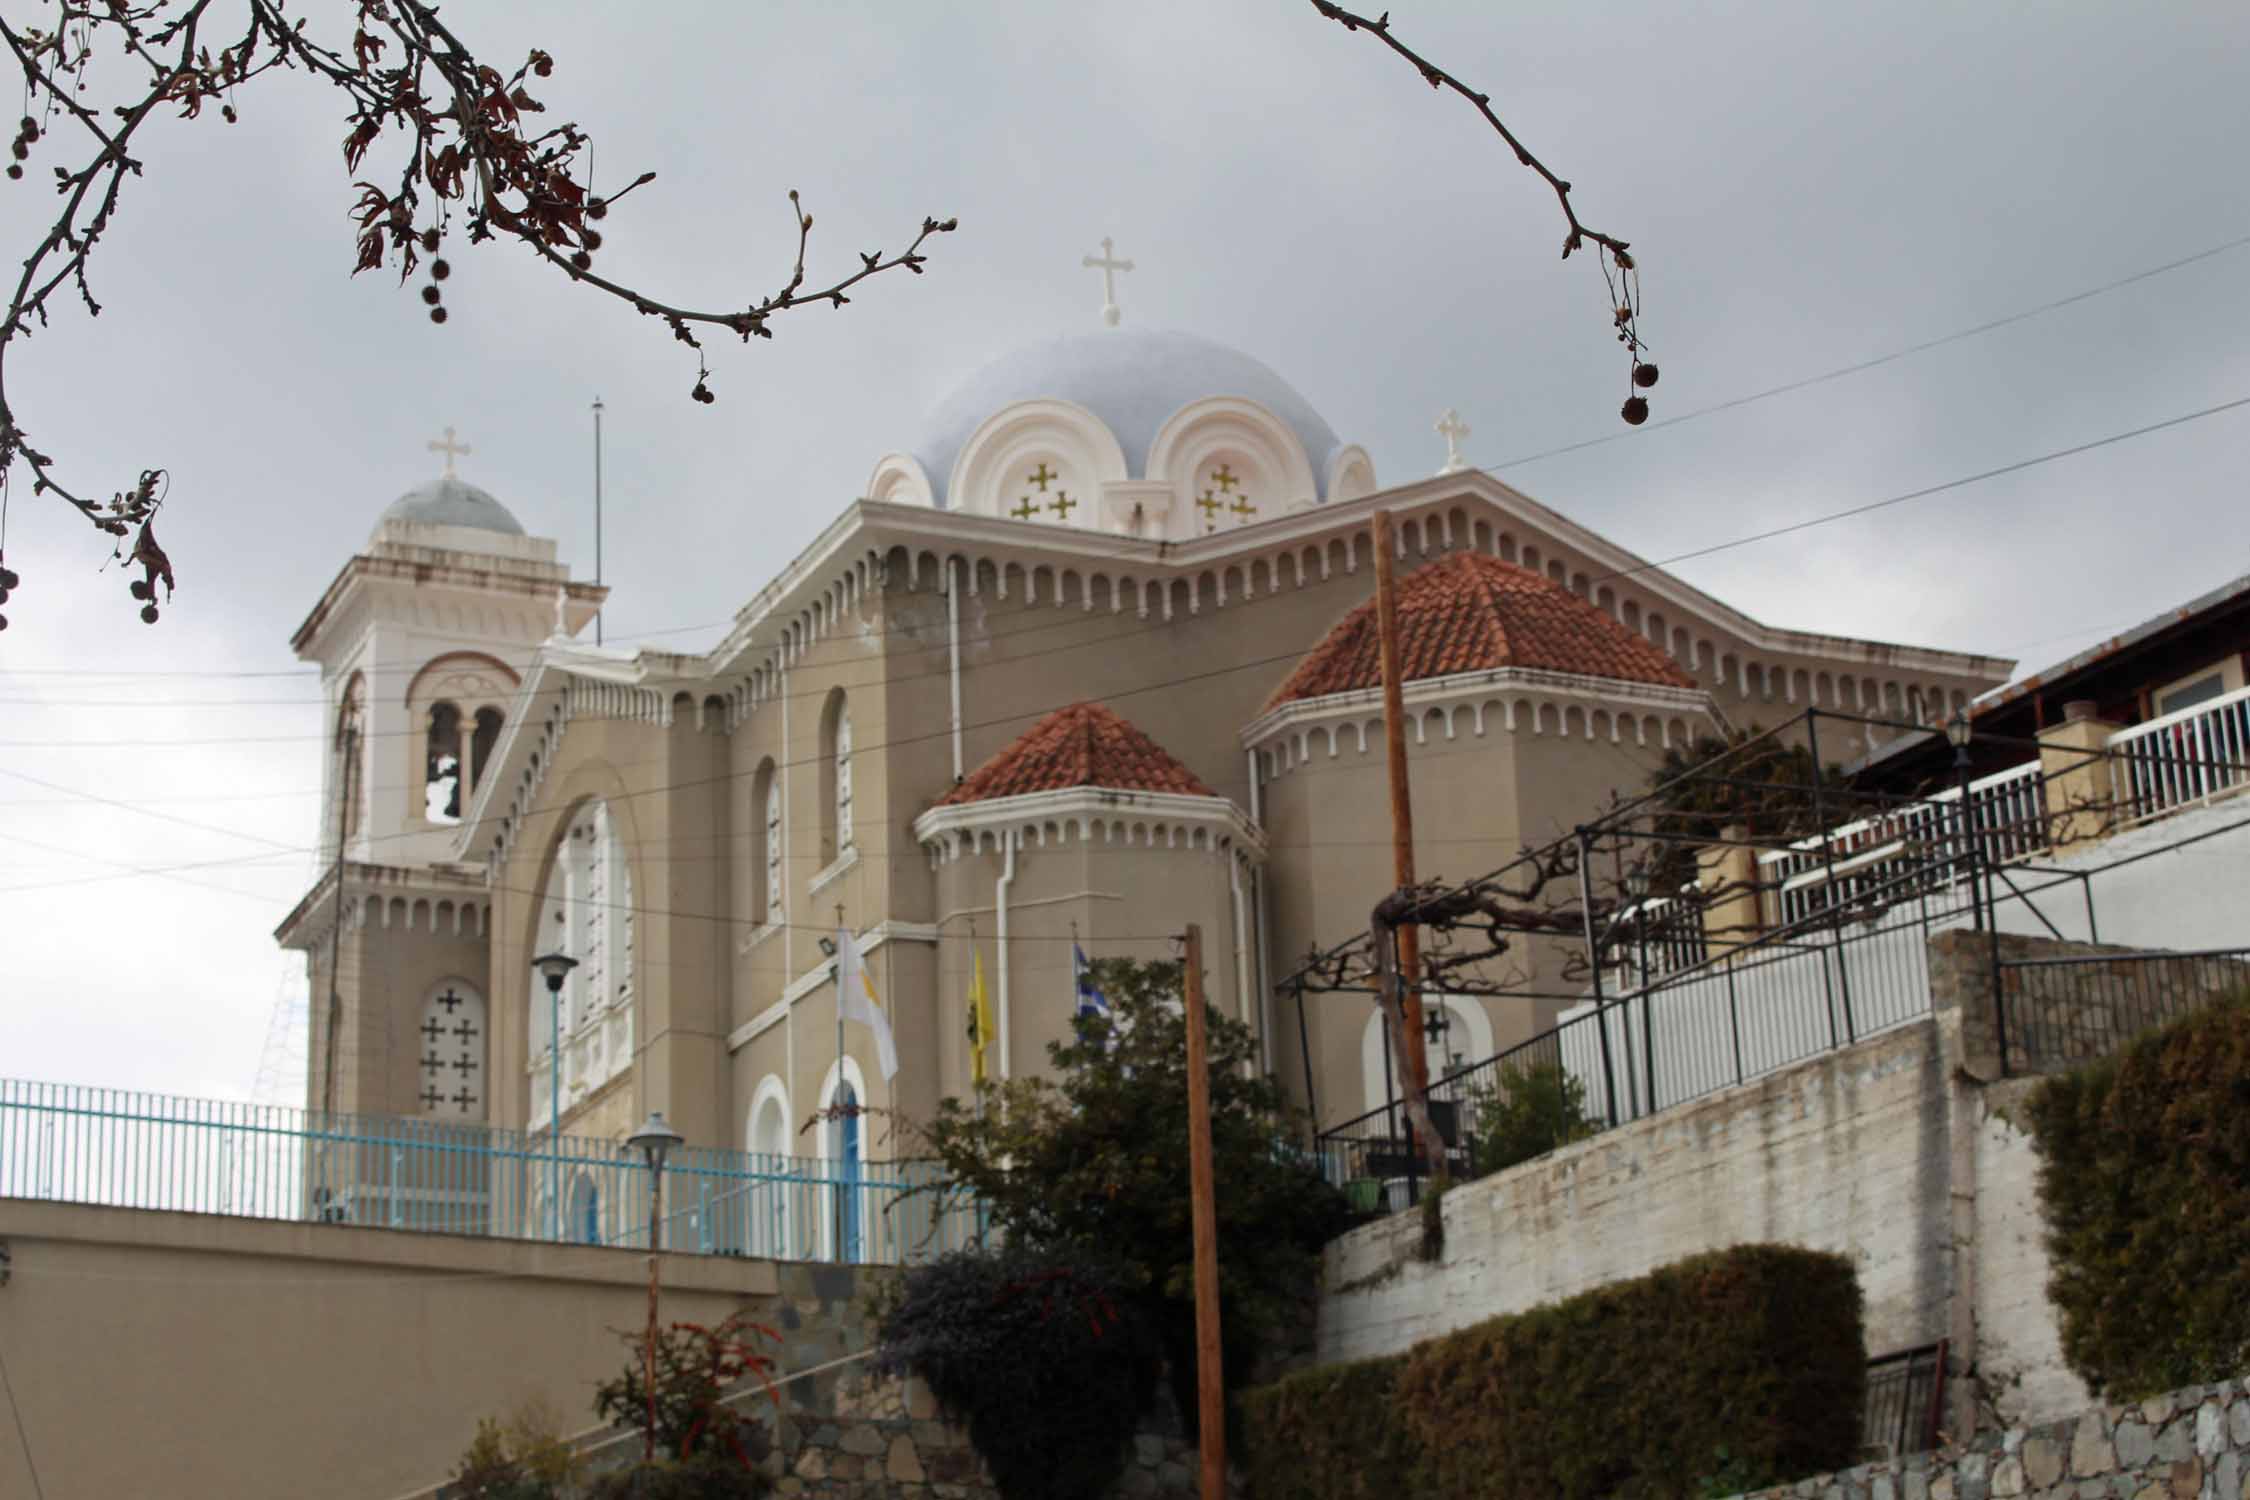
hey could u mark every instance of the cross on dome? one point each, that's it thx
(447, 446)
(1452, 429)
(1109, 265)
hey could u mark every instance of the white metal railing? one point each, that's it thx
(2183, 758)
(2007, 818)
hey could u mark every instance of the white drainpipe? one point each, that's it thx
(1241, 936)
(1263, 904)
(953, 641)
(1000, 908)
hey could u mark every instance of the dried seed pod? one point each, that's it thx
(437, 314)
(1644, 376)
(148, 614)
(430, 240)
(1635, 411)
(440, 269)
(582, 261)
(596, 208)
(430, 294)
(139, 589)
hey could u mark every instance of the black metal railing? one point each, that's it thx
(1733, 1017)
(1905, 1401)
(2058, 1011)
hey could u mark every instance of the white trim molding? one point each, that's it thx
(1171, 820)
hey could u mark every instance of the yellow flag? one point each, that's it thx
(980, 1021)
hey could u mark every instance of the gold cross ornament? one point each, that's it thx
(1026, 510)
(1043, 475)
(1062, 505)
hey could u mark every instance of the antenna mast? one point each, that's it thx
(597, 513)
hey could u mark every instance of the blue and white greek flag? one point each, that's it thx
(1091, 1001)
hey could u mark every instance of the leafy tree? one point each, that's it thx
(1529, 1113)
(1095, 1163)
(1042, 1356)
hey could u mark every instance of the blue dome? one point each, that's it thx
(449, 502)
(1133, 380)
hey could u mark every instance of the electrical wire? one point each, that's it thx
(22, 1437)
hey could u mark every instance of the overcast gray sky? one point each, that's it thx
(1806, 186)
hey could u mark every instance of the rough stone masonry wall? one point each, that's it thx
(2192, 1444)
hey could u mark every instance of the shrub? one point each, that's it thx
(2145, 1176)
(1043, 1358)
(1529, 1113)
(1627, 1391)
(1327, 1434)
(709, 1450)
(525, 1457)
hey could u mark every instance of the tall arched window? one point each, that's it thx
(449, 1054)
(765, 857)
(351, 728)
(442, 770)
(585, 911)
(836, 778)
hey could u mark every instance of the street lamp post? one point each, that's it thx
(1958, 730)
(554, 968)
(654, 1140)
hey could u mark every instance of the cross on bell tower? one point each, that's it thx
(1109, 265)
(1452, 429)
(447, 446)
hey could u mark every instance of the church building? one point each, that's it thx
(1091, 658)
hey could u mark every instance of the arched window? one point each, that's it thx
(482, 743)
(450, 1052)
(585, 1222)
(457, 700)
(351, 728)
(836, 778)
(442, 773)
(585, 911)
(765, 1208)
(765, 848)
(843, 1163)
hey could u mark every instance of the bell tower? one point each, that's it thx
(422, 639)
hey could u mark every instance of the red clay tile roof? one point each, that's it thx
(1082, 745)
(1470, 613)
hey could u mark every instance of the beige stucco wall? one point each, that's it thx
(686, 799)
(159, 1354)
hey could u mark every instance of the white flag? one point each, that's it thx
(855, 1000)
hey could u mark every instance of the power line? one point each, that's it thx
(1743, 541)
(22, 1437)
(1882, 359)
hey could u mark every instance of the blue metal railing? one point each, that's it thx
(74, 1144)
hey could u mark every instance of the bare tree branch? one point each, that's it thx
(1620, 271)
(466, 153)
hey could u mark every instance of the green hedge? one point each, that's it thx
(2145, 1176)
(1633, 1390)
(1327, 1434)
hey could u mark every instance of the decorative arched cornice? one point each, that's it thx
(1229, 427)
(1091, 814)
(899, 478)
(1065, 434)
(1351, 474)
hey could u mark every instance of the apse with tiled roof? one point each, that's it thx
(1526, 706)
(1085, 831)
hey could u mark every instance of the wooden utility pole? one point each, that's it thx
(1209, 1378)
(1411, 1053)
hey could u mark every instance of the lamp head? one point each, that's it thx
(654, 1140)
(1636, 882)
(555, 967)
(828, 947)
(1958, 729)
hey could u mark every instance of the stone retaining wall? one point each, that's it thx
(2192, 1444)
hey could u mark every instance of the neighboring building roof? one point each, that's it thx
(1133, 379)
(2111, 672)
(450, 502)
(1471, 613)
(1085, 744)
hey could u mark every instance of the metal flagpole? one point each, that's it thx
(836, 1122)
(597, 513)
